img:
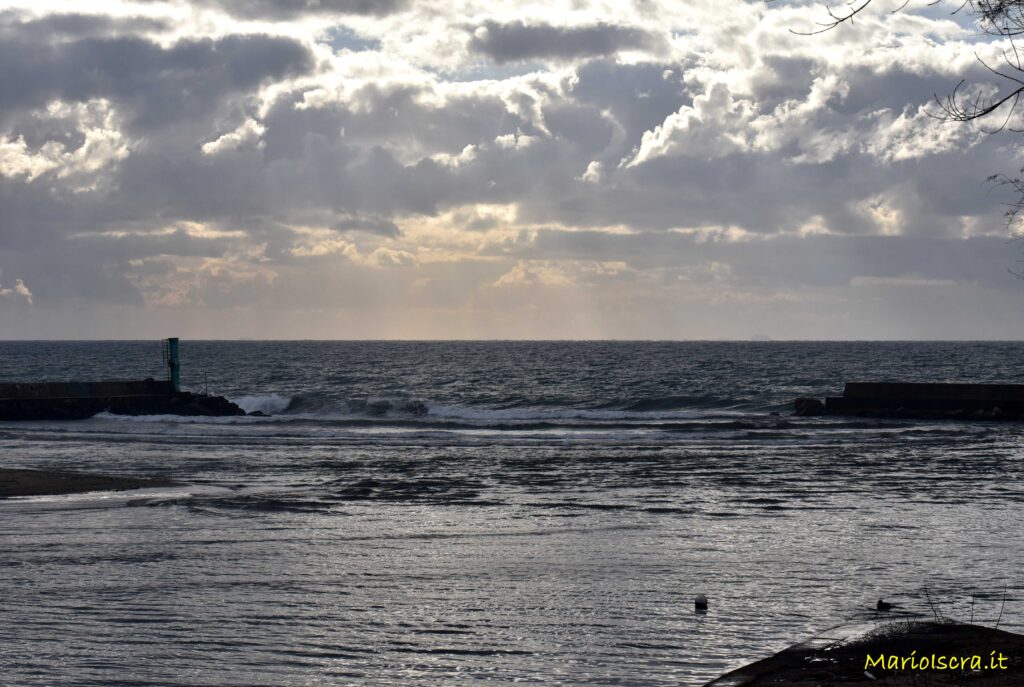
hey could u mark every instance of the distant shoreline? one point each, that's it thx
(23, 482)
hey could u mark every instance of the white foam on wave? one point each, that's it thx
(181, 419)
(557, 414)
(271, 404)
(94, 500)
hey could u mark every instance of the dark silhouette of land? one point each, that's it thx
(821, 662)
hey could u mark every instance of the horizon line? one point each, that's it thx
(499, 340)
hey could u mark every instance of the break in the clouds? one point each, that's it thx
(290, 168)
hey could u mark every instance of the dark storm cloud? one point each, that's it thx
(157, 85)
(897, 85)
(386, 115)
(61, 275)
(765, 194)
(169, 96)
(292, 9)
(397, 140)
(342, 160)
(639, 95)
(370, 225)
(822, 261)
(518, 41)
(315, 165)
(18, 24)
(132, 247)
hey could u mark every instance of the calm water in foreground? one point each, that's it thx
(548, 520)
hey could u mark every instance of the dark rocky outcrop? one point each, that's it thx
(842, 660)
(184, 403)
(808, 406)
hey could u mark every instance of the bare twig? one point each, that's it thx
(935, 608)
(1002, 19)
(837, 19)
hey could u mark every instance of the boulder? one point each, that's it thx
(808, 406)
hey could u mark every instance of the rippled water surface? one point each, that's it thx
(496, 513)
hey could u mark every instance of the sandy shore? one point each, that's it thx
(843, 661)
(15, 482)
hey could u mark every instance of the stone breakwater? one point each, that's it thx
(921, 400)
(80, 400)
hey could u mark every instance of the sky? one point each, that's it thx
(460, 169)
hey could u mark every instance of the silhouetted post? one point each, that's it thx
(173, 363)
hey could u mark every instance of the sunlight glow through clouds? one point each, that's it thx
(479, 158)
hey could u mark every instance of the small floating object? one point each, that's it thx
(884, 606)
(700, 603)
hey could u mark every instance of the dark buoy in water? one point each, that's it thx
(700, 603)
(883, 606)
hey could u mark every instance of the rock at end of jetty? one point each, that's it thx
(182, 403)
(808, 406)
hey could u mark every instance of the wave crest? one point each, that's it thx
(269, 404)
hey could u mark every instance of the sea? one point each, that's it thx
(497, 513)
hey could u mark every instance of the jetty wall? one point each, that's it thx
(80, 400)
(59, 390)
(928, 400)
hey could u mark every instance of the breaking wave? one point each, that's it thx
(270, 404)
(676, 413)
(321, 405)
(657, 403)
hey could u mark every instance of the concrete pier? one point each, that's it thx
(924, 400)
(79, 400)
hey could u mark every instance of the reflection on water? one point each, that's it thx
(526, 543)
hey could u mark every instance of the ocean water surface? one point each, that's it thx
(496, 513)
